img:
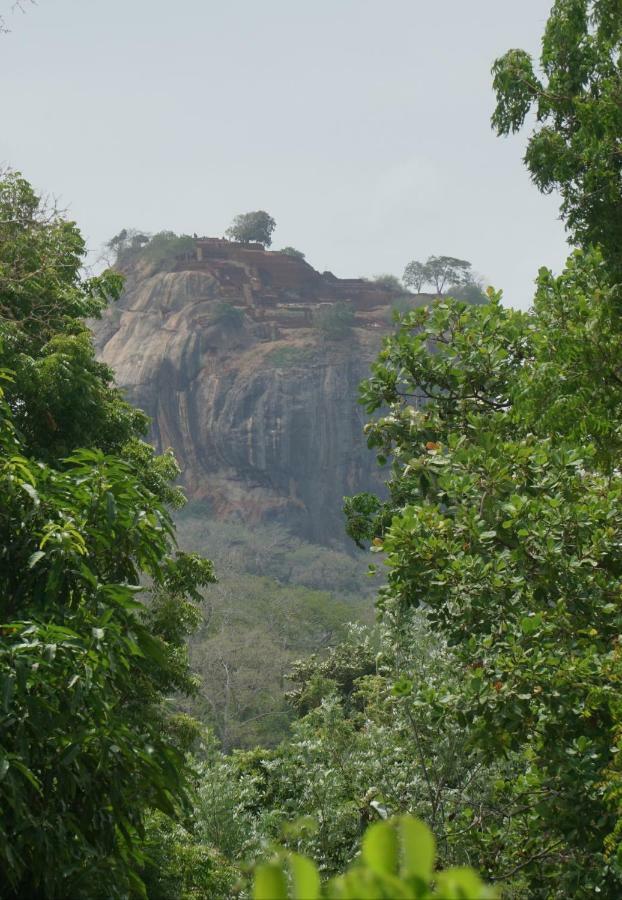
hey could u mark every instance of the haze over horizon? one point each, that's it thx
(363, 128)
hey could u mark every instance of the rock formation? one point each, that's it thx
(221, 350)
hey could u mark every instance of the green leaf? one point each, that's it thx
(35, 557)
(380, 849)
(8, 686)
(529, 624)
(305, 878)
(70, 754)
(462, 884)
(418, 848)
(402, 687)
(270, 883)
(29, 489)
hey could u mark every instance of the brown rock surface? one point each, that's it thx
(258, 407)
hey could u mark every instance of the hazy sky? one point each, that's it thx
(362, 126)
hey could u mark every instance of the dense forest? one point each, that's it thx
(465, 741)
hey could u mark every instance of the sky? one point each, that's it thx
(361, 126)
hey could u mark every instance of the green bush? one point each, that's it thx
(291, 251)
(166, 245)
(388, 282)
(290, 357)
(334, 321)
(227, 314)
(180, 866)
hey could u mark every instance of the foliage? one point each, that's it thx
(284, 357)
(472, 292)
(227, 314)
(83, 667)
(272, 551)
(401, 305)
(576, 99)
(59, 395)
(317, 791)
(166, 245)
(178, 864)
(397, 861)
(87, 744)
(277, 599)
(439, 271)
(415, 275)
(291, 251)
(162, 247)
(128, 239)
(389, 282)
(334, 321)
(244, 651)
(252, 226)
(337, 673)
(502, 522)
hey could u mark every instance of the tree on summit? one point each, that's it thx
(252, 226)
(439, 271)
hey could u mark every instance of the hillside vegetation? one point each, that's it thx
(277, 598)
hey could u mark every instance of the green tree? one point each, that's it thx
(439, 271)
(502, 523)
(334, 320)
(389, 282)
(252, 226)
(415, 275)
(291, 251)
(576, 96)
(471, 292)
(87, 744)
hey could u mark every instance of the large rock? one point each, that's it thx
(263, 418)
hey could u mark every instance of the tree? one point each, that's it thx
(334, 320)
(415, 275)
(291, 251)
(440, 271)
(472, 292)
(86, 742)
(576, 100)
(445, 270)
(502, 521)
(252, 226)
(388, 282)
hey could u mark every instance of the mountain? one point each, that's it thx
(248, 362)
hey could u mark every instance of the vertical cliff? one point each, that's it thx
(222, 350)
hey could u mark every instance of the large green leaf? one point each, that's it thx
(380, 850)
(270, 882)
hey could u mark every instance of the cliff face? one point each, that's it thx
(258, 405)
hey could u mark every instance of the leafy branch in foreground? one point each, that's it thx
(397, 861)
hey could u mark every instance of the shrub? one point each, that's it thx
(284, 357)
(291, 251)
(227, 314)
(389, 282)
(335, 321)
